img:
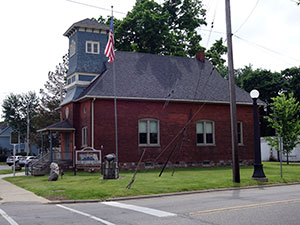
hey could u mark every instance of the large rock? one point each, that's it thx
(54, 172)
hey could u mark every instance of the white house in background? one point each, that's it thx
(268, 153)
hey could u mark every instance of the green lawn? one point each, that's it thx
(9, 171)
(89, 185)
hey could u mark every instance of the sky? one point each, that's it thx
(266, 35)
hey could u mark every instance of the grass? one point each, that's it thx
(89, 185)
(2, 172)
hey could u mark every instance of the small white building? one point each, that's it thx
(270, 154)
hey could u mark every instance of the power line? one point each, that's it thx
(213, 31)
(97, 7)
(265, 48)
(212, 24)
(247, 17)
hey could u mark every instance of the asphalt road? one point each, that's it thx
(269, 205)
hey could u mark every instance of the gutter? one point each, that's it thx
(93, 122)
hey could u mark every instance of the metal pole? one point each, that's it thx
(14, 169)
(116, 113)
(19, 141)
(115, 103)
(42, 144)
(93, 123)
(234, 138)
(258, 173)
(51, 150)
(280, 150)
(27, 135)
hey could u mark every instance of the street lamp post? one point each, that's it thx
(258, 173)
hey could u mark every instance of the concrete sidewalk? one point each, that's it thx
(12, 193)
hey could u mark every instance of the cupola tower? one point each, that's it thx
(87, 40)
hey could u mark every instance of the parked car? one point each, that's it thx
(10, 160)
(26, 160)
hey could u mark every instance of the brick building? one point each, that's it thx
(163, 103)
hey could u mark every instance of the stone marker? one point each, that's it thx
(54, 172)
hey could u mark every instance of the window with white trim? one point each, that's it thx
(240, 132)
(84, 136)
(72, 48)
(205, 132)
(148, 132)
(92, 47)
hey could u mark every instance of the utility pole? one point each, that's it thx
(27, 135)
(234, 138)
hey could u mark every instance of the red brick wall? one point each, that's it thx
(172, 118)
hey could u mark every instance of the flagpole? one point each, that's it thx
(116, 113)
(115, 105)
(109, 51)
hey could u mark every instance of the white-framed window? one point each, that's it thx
(148, 132)
(84, 136)
(205, 130)
(72, 48)
(92, 47)
(240, 132)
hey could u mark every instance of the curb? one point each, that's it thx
(170, 194)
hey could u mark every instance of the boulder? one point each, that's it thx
(54, 172)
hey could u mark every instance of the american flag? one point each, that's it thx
(110, 46)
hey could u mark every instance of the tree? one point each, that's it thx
(52, 95)
(284, 119)
(292, 75)
(269, 84)
(214, 54)
(16, 108)
(184, 18)
(167, 29)
(142, 29)
(54, 90)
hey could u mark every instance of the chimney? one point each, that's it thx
(200, 55)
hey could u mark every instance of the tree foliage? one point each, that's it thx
(284, 119)
(54, 88)
(292, 76)
(169, 28)
(269, 84)
(214, 54)
(52, 95)
(15, 109)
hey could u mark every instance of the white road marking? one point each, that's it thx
(86, 214)
(8, 218)
(153, 212)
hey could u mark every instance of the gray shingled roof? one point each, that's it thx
(86, 23)
(60, 126)
(156, 77)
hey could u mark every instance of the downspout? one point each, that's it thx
(93, 122)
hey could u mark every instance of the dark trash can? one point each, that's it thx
(110, 167)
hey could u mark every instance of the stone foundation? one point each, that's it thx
(159, 165)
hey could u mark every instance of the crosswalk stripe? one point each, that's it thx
(86, 214)
(153, 212)
(8, 218)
